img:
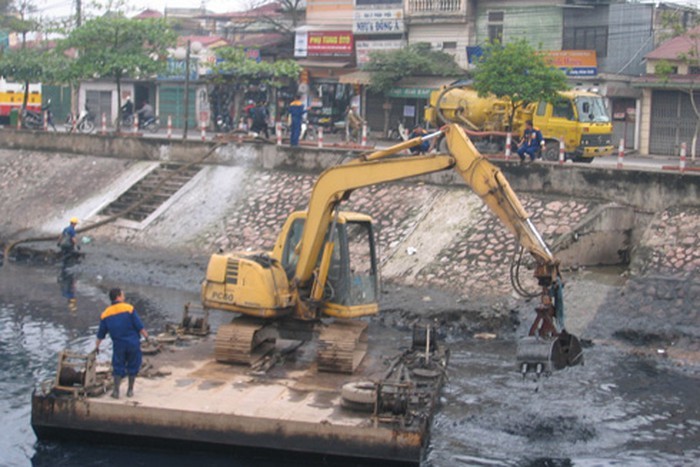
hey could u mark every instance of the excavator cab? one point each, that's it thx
(351, 287)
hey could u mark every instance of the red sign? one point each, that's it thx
(335, 43)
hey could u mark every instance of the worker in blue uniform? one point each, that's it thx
(297, 111)
(67, 242)
(531, 143)
(124, 326)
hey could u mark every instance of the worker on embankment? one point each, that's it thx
(297, 111)
(67, 241)
(531, 142)
(124, 326)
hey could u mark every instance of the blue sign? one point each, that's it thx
(175, 70)
(583, 71)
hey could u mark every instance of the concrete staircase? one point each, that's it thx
(149, 185)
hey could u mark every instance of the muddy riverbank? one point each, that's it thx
(629, 403)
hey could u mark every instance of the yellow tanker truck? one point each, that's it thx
(579, 118)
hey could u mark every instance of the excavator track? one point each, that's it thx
(341, 346)
(244, 341)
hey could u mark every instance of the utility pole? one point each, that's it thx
(187, 88)
(73, 88)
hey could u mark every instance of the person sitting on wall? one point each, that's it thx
(530, 143)
(422, 148)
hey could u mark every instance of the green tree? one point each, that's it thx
(233, 65)
(16, 18)
(34, 64)
(386, 68)
(518, 72)
(113, 46)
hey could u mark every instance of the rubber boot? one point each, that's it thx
(130, 391)
(117, 382)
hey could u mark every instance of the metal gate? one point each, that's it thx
(172, 103)
(672, 122)
(99, 103)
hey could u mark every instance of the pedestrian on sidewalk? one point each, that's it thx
(353, 124)
(124, 326)
(260, 115)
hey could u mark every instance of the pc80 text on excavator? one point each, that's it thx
(324, 265)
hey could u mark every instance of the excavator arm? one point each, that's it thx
(547, 347)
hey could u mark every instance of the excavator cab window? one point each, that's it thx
(352, 275)
(361, 287)
(290, 255)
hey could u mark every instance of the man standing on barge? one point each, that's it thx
(125, 328)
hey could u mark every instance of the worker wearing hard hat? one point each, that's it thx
(68, 241)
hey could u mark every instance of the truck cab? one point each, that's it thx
(581, 119)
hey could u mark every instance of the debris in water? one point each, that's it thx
(487, 336)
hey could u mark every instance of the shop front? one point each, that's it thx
(409, 98)
(325, 56)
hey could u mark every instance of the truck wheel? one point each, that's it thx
(551, 151)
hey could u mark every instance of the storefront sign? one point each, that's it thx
(363, 48)
(378, 22)
(574, 62)
(411, 93)
(301, 44)
(329, 43)
(253, 54)
(176, 70)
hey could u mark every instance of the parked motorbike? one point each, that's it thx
(399, 133)
(35, 120)
(150, 124)
(85, 123)
(223, 123)
(308, 130)
(127, 117)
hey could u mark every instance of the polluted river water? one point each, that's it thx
(620, 408)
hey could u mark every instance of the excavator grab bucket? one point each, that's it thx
(547, 354)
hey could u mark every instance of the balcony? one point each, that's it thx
(435, 10)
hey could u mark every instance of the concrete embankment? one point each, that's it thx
(432, 231)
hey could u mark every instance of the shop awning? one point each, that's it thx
(355, 77)
(418, 87)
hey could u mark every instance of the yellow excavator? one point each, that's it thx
(324, 265)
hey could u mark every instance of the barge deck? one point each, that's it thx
(187, 398)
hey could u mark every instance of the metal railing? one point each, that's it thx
(435, 6)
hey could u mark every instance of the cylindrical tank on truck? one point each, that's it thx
(579, 118)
